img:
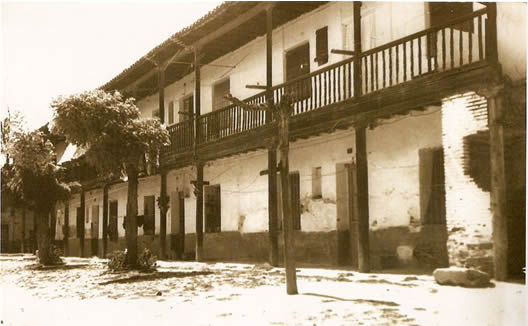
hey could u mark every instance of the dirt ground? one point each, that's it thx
(189, 293)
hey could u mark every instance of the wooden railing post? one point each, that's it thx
(357, 49)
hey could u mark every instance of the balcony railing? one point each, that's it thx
(440, 48)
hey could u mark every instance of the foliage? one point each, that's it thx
(11, 128)
(110, 129)
(34, 174)
(146, 261)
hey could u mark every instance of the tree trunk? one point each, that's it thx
(131, 216)
(289, 243)
(43, 236)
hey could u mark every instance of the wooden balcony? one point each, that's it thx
(417, 70)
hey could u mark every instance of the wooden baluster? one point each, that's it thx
(443, 49)
(429, 43)
(470, 39)
(350, 87)
(366, 74)
(419, 56)
(460, 45)
(405, 61)
(371, 59)
(452, 50)
(397, 64)
(412, 59)
(390, 66)
(384, 69)
(338, 85)
(480, 37)
(318, 90)
(324, 89)
(377, 71)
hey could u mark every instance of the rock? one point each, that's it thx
(158, 294)
(466, 277)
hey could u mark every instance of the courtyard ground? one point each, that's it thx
(189, 293)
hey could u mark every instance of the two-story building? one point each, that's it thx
(407, 133)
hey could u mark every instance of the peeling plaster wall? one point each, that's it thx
(394, 185)
(467, 206)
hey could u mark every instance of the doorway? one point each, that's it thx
(177, 206)
(346, 223)
(212, 211)
(94, 230)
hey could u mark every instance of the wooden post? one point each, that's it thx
(197, 106)
(53, 223)
(161, 93)
(163, 206)
(498, 185)
(81, 227)
(362, 199)
(357, 48)
(491, 33)
(105, 220)
(272, 207)
(269, 61)
(66, 228)
(198, 192)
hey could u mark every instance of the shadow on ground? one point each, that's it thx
(153, 276)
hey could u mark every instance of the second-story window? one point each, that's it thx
(171, 112)
(321, 45)
(220, 90)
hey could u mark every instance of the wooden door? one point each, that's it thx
(212, 209)
(347, 231)
(295, 200)
(177, 206)
(148, 213)
(112, 229)
(94, 229)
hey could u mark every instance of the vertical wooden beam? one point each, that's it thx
(105, 220)
(53, 223)
(163, 205)
(357, 49)
(161, 93)
(197, 104)
(491, 33)
(362, 199)
(198, 191)
(273, 207)
(498, 185)
(23, 244)
(66, 231)
(81, 227)
(269, 60)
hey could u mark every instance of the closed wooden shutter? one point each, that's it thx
(148, 215)
(295, 200)
(80, 223)
(321, 45)
(171, 112)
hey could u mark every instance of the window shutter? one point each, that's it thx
(321, 45)
(171, 112)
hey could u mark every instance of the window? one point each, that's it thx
(148, 215)
(321, 45)
(297, 65)
(212, 211)
(316, 183)
(441, 12)
(220, 90)
(186, 108)
(171, 112)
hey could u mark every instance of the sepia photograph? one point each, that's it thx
(263, 163)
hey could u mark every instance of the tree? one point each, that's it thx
(116, 140)
(34, 178)
(281, 114)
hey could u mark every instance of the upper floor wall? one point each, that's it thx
(381, 22)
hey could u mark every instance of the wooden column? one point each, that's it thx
(163, 205)
(66, 231)
(362, 199)
(491, 33)
(197, 105)
(81, 227)
(357, 48)
(273, 207)
(498, 184)
(198, 192)
(161, 93)
(105, 220)
(269, 60)
(53, 223)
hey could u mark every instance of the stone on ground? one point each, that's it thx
(467, 277)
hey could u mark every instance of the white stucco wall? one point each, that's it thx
(511, 38)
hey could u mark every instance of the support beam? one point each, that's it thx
(198, 192)
(105, 220)
(498, 185)
(361, 194)
(269, 59)
(163, 206)
(273, 208)
(81, 227)
(197, 102)
(357, 49)
(161, 93)
(66, 231)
